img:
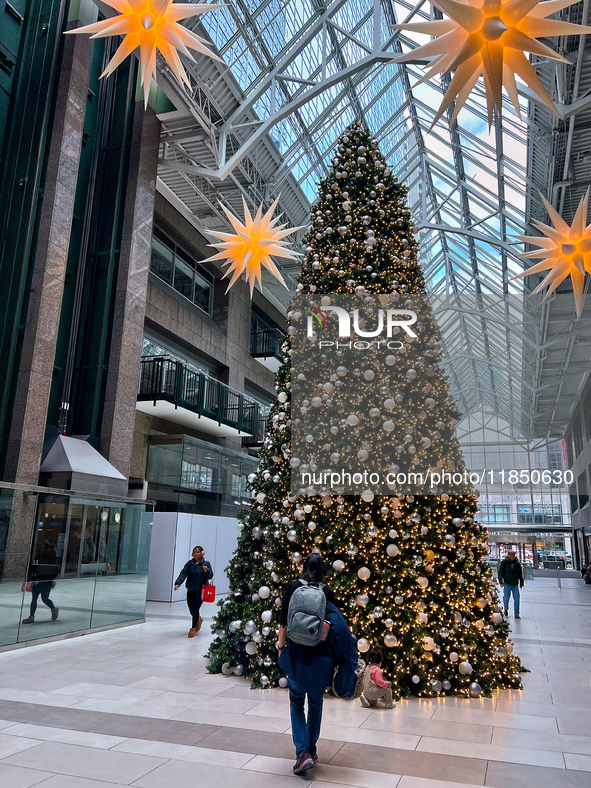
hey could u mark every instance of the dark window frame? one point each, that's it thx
(201, 279)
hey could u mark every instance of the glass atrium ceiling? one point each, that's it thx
(296, 73)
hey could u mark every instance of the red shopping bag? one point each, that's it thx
(27, 587)
(208, 593)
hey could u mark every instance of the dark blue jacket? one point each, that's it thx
(312, 668)
(196, 575)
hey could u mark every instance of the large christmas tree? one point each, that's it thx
(408, 570)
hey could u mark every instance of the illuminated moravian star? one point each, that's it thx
(565, 251)
(252, 245)
(489, 38)
(152, 25)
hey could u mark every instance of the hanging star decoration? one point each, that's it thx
(151, 25)
(489, 38)
(252, 245)
(566, 251)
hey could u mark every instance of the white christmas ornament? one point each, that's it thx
(465, 668)
(338, 566)
(363, 645)
(264, 592)
(266, 616)
(392, 550)
(364, 573)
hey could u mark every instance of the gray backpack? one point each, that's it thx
(305, 615)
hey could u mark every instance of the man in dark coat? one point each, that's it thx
(511, 580)
(197, 572)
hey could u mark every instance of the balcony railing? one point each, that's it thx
(163, 378)
(266, 342)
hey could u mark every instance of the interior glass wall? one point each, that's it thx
(190, 475)
(87, 565)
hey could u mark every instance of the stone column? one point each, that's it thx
(132, 287)
(27, 429)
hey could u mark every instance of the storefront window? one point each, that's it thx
(540, 513)
(87, 566)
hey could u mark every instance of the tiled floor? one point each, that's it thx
(136, 706)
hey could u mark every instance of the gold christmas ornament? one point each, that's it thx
(151, 25)
(252, 245)
(489, 38)
(566, 251)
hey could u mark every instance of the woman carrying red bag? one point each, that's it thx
(197, 573)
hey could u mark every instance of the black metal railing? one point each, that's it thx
(163, 378)
(266, 342)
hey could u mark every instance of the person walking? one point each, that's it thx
(511, 580)
(195, 574)
(42, 576)
(374, 686)
(310, 668)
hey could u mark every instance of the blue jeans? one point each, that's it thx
(305, 734)
(507, 592)
(41, 589)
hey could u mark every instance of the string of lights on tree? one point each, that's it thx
(409, 571)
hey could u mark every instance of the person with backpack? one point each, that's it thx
(318, 640)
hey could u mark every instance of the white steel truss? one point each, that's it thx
(296, 73)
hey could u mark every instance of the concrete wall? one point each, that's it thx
(173, 538)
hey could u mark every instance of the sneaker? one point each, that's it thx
(389, 705)
(55, 613)
(198, 627)
(29, 620)
(303, 763)
(192, 632)
(364, 702)
(314, 759)
(518, 618)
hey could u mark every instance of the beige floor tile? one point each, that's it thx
(128, 694)
(244, 692)
(511, 775)
(40, 698)
(181, 773)
(183, 752)
(558, 742)
(426, 727)
(225, 719)
(327, 773)
(18, 777)
(492, 752)
(145, 709)
(496, 718)
(580, 762)
(525, 707)
(379, 738)
(185, 700)
(422, 782)
(117, 767)
(170, 684)
(11, 745)
(100, 741)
